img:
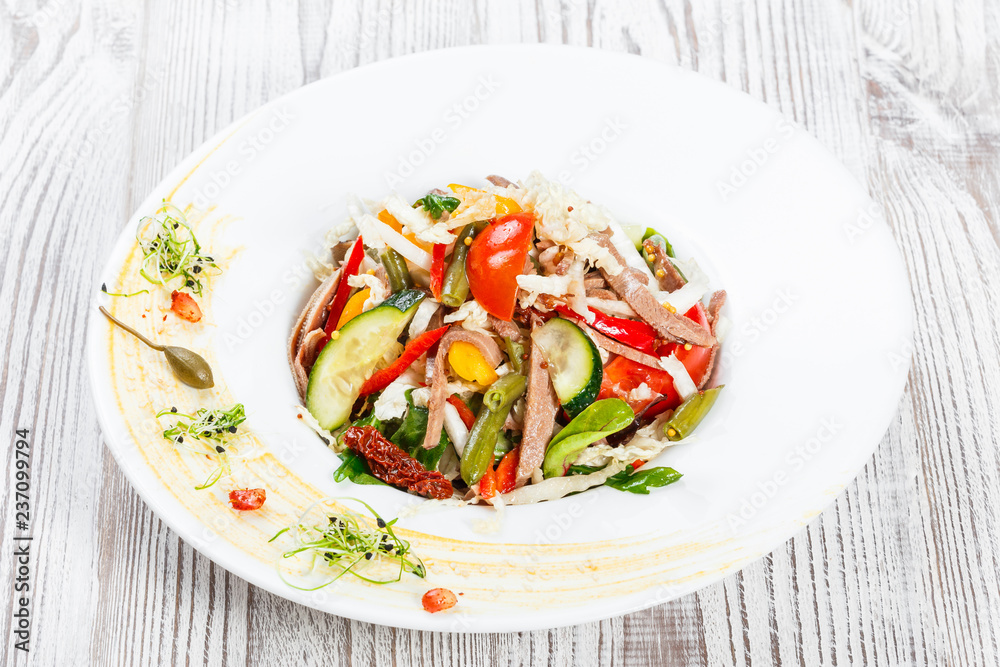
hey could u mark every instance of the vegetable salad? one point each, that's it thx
(507, 343)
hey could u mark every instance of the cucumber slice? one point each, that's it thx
(574, 363)
(347, 361)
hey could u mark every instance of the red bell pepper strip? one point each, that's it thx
(633, 333)
(349, 269)
(488, 484)
(381, 379)
(463, 411)
(507, 471)
(437, 269)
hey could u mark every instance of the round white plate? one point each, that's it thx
(767, 212)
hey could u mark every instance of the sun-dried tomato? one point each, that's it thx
(393, 466)
(247, 499)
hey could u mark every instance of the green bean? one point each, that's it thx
(503, 445)
(485, 431)
(687, 417)
(455, 288)
(396, 271)
(659, 239)
(515, 352)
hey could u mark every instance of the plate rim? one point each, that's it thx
(619, 605)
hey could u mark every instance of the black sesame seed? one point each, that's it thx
(325, 440)
(381, 523)
(190, 283)
(173, 409)
(104, 287)
(180, 439)
(368, 555)
(220, 449)
(196, 269)
(232, 429)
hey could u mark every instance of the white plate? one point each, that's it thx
(768, 213)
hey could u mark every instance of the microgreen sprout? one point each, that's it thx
(206, 432)
(104, 288)
(340, 543)
(170, 250)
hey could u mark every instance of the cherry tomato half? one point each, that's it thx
(495, 260)
(623, 375)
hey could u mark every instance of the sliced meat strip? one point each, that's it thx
(614, 347)
(506, 329)
(305, 358)
(436, 322)
(316, 317)
(439, 383)
(340, 250)
(310, 319)
(512, 424)
(594, 282)
(603, 294)
(499, 181)
(630, 286)
(714, 306)
(540, 410)
(666, 273)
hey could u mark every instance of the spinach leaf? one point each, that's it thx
(436, 204)
(355, 469)
(634, 482)
(410, 436)
(598, 420)
(641, 481)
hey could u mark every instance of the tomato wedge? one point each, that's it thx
(623, 375)
(495, 260)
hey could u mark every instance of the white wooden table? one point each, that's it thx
(99, 99)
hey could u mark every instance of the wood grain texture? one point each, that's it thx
(99, 99)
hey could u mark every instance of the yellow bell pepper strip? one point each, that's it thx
(505, 205)
(390, 219)
(469, 364)
(354, 307)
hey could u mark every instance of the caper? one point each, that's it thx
(190, 368)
